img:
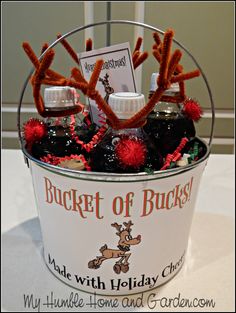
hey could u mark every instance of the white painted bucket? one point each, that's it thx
(115, 234)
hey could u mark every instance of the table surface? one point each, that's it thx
(207, 275)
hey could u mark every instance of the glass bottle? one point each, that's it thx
(58, 141)
(128, 150)
(166, 124)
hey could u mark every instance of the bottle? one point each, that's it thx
(58, 141)
(166, 124)
(127, 150)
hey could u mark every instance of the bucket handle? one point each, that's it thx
(78, 29)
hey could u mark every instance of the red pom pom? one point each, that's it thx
(131, 152)
(192, 109)
(34, 130)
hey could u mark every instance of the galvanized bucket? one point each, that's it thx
(86, 217)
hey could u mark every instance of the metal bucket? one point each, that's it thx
(115, 234)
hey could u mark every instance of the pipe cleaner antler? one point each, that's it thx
(68, 48)
(44, 75)
(71, 51)
(157, 53)
(138, 57)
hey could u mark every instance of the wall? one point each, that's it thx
(206, 29)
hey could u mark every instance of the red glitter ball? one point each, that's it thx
(131, 152)
(192, 109)
(34, 130)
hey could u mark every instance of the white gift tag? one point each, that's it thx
(117, 74)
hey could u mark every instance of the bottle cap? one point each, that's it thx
(59, 97)
(174, 87)
(126, 104)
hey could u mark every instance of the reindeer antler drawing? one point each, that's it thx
(108, 89)
(117, 227)
(128, 225)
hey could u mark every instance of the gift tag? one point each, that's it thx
(117, 74)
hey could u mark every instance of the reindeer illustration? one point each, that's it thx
(126, 240)
(108, 89)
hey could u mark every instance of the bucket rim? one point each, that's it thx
(116, 177)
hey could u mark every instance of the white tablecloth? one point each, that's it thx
(207, 275)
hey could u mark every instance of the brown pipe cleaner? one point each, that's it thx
(137, 56)
(44, 75)
(69, 49)
(174, 70)
(89, 44)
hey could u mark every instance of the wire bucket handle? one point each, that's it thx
(81, 28)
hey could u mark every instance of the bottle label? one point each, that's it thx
(113, 237)
(117, 74)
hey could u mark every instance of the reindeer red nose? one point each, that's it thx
(139, 237)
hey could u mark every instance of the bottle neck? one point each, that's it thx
(135, 131)
(64, 121)
(167, 108)
(165, 93)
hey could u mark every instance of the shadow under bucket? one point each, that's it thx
(115, 234)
